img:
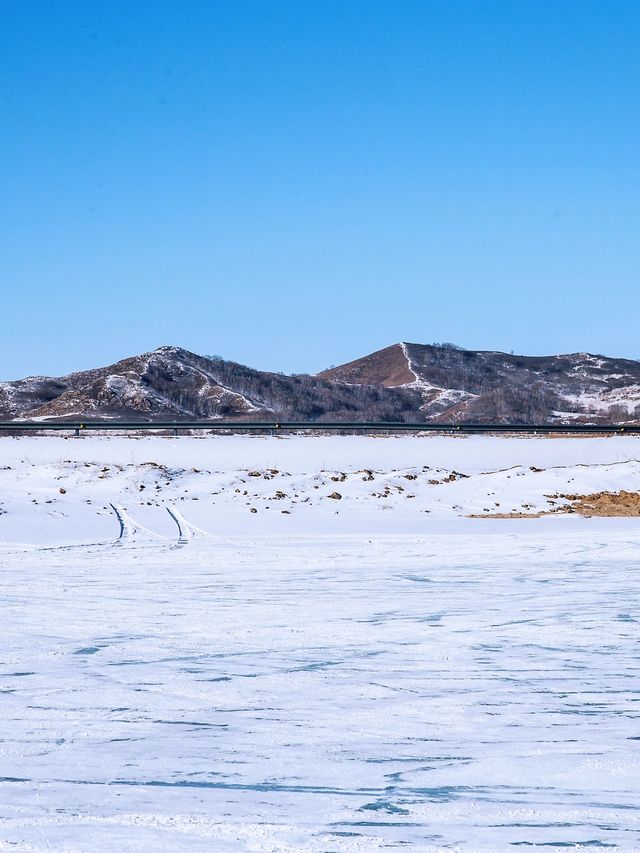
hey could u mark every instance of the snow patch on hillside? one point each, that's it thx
(627, 397)
(436, 399)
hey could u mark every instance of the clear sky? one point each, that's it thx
(295, 184)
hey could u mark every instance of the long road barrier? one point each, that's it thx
(275, 427)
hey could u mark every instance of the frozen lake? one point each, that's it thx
(323, 693)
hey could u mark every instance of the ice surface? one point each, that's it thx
(462, 685)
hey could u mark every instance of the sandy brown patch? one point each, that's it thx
(606, 504)
(602, 504)
(387, 366)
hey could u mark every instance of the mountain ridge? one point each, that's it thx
(402, 382)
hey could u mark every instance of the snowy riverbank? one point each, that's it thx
(56, 489)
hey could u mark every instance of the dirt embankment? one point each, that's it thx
(603, 504)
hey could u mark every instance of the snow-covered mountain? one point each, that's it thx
(166, 382)
(470, 385)
(174, 383)
(403, 382)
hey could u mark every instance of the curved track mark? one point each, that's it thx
(129, 528)
(186, 530)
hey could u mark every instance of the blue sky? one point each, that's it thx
(295, 184)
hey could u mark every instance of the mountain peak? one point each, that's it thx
(168, 349)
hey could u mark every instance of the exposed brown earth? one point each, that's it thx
(602, 504)
(386, 367)
(607, 504)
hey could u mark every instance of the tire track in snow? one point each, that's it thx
(130, 530)
(186, 530)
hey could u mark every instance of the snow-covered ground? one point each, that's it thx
(57, 490)
(357, 674)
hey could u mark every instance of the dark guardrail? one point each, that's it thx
(311, 426)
